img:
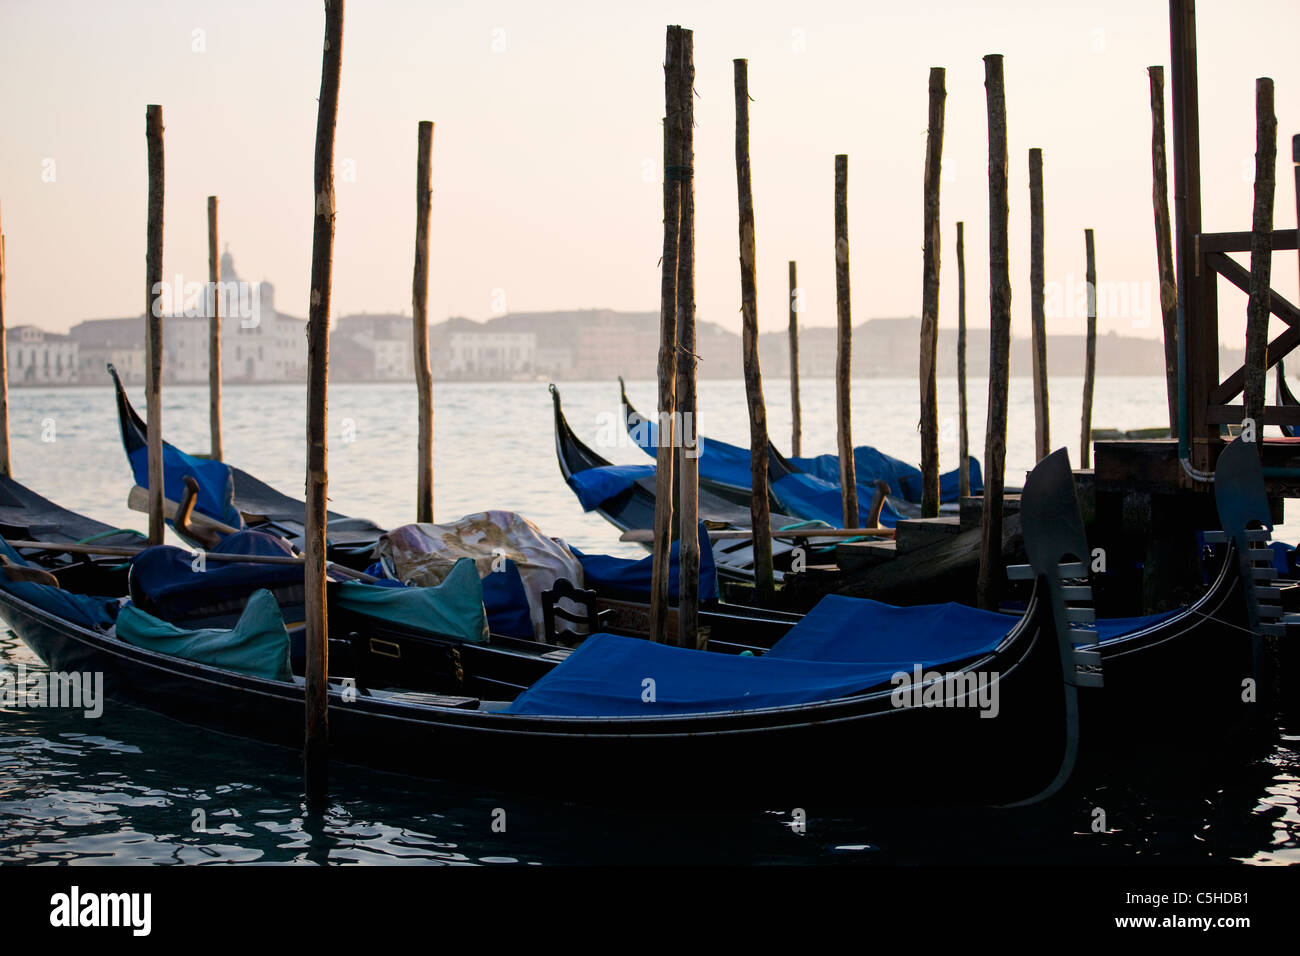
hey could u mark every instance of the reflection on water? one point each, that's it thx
(133, 787)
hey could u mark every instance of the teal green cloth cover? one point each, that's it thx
(257, 645)
(453, 608)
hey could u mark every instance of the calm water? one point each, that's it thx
(132, 787)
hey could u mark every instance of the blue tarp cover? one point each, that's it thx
(257, 645)
(607, 677)
(594, 486)
(843, 628)
(216, 497)
(506, 603)
(815, 499)
(453, 608)
(95, 613)
(629, 578)
(164, 571)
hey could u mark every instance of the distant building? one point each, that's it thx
(36, 357)
(372, 348)
(104, 341)
(491, 354)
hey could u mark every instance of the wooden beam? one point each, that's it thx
(995, 440)
(1199, 292)
(1239, 275)
(214, 334)
(844, 347)
(688, 463)
(316, 750)
(1284, 240)
(1037, 313)
(1090, 352)
(1261, 251)
(930, 299)
(665, 451)
(1279, 348)
(963, 436)
(153, 319)
(1271, 415)
(796, 426)
(420, 323)
(760, 516)
(1164, 242)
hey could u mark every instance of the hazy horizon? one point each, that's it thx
(547, 144)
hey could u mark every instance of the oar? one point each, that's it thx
(125, 552)
(646, 535)
(138, 500)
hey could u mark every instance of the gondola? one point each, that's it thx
(812, 496)
(827, 726)
(624, 495)
(255, 503)
(816, 734)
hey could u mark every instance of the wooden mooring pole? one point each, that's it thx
(420, 323)
(759, 513)
(995, 440)
(1090, 351)
(963, 436)
(1038, 284)
(214, 333)
(665, 451)
(930, 300)
(316, 749)
(844, 347)
(1164, 242)
(796, 426)
(1261, 256)
(688, 464)
(153, 258)
(5, 465)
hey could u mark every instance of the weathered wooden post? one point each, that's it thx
(316, 751)
(844, 347)
(1090, 351)
(1164, 242)
(1261, 255)
(963, 436)
(153, 258)
(930, 301)
(995, 440)
(688, 607)
(5, 466)
(759, 513)
(665, 452)
(214, 333)
(1037, 280)
(796, 426)
(420, 323)
(1295, 158)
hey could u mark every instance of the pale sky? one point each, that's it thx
(546, 170)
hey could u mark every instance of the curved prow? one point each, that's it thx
(134, 431)
(182, 520)
(1241, 498)
(877, 504)
(1285, 397)
(1057, 547)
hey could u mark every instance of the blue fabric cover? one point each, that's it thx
(506, 603)
(95, 613)
(1109, 628)
(605, 677)
(843, 628)
(629, 578)
(216, 497)
(257, 645)
(453, 608)
(166, 572)
(595, 486)
(815, 499)
(904, 480)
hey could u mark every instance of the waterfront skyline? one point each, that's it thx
(517, 228)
